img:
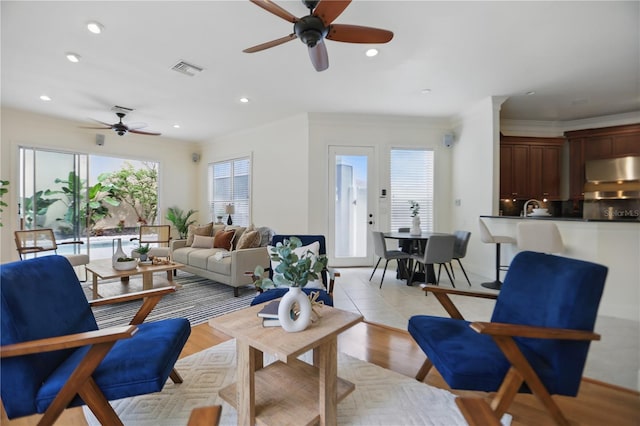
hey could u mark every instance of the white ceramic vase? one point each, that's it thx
(294, 300)
(415, 226)
(118, 253)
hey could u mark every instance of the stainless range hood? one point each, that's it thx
(612, 190)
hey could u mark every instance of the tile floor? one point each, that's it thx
(615, 359)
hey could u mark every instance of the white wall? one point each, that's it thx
(280, 155)
(475, 178)
(382, 133)
(178, 181)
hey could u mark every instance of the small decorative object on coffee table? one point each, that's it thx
(125, 264)
(294, 271)
(143, 251)
(415, 221)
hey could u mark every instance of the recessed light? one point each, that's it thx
(244, 100)
(176, 126)
(45, 98)
(371, 52)
(531, 92)
(73, 57)
(425, 91)
(95, 27)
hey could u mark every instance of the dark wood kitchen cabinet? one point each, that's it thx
(530, 167)
(598, 144)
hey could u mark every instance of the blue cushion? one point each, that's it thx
(279, 292)
(539, 290)
(134, 366)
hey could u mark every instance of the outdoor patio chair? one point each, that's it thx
(157, 236)
(39, 241)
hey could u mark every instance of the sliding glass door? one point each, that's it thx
(53, 194)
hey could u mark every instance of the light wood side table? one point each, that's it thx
(289, 391)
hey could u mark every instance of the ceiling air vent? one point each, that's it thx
(186, 68)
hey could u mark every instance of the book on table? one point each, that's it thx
(270, 322)
(270, 310)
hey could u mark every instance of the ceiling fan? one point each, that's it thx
(121, 128)
(315, 27)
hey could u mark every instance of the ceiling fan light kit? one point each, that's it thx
(314, 28)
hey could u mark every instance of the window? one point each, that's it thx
(411, 179)
(230, 186)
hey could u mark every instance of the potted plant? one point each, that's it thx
(3, 190)
(294, 270)
(180, 219)
(143, 251)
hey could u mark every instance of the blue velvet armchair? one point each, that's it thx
(54, 356)
(537, 340)
(328, 275)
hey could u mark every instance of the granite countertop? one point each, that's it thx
(566, 219)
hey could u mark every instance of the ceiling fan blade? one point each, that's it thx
(270, 6)
(329, 10)
(319, 56)
(271, 43)
(109, 125)
(358, 34)
(140, 132)
(103, 128)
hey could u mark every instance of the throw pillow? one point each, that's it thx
(266, 234)
(200, 241)
(249, 239)
(222, 239)
(205, 230)
(313, 248)
(239, 230)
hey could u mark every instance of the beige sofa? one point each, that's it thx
(227, 266)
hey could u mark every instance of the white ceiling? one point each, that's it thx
(581, 58)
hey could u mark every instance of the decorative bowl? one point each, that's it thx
(541, 211)
(126, 266)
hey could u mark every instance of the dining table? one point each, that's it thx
(420, 240)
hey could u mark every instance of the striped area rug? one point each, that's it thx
(197, 299)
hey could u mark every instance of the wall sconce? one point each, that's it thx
(228, 209)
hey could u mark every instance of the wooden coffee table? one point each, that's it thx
(288, 391)
(102, 269)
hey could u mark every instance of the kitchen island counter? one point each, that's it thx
(615, 244)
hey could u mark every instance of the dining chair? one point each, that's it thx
(38, 241)
(380, 249)
(488, 238)
(439, 250)
(537, 340)
(460, 251)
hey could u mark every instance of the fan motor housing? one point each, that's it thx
(310, 29)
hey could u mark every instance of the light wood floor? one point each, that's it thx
(596, 404)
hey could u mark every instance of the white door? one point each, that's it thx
(352, 205)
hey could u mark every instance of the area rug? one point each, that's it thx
(382, 397)
(197, 299)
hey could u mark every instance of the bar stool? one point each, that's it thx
(540, 236)
(487, 238)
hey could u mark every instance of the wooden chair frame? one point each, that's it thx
(101, 341)
(503, 334)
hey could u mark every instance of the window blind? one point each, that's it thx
(230, 184)
(411, 173)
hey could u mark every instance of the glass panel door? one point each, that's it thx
(53, 194)
(351, 205)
